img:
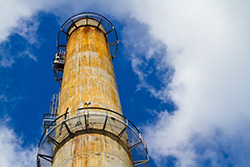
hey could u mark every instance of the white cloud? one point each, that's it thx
(207, 46)
(19, 17)
(11, 151)
(17, 14)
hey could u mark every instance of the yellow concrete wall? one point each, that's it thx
(92, 150)
(89, 77)
(88, 72)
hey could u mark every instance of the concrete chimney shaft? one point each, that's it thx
(88, 76)
(87, 127)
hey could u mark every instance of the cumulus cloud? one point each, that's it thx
(12, 153)
(147, 58)
(19, 17)
(18, 14)
(207, 47)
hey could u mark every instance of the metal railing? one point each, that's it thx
(107, 28)
(92, 120)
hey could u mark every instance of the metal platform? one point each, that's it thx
(102, 23)
(91, 120)
(90, 19)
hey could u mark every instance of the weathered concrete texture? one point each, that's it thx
(88, 73)
(89, 77)
(92, 150)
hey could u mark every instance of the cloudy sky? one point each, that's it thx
(182, 71)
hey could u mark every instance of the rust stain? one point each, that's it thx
(89, 77)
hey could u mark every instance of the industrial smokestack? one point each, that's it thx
(88, 128)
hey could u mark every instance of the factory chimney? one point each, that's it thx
(86, 126)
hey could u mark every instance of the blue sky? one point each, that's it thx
(182, 71)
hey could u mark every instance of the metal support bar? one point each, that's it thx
(134, 146)
(46, 131)
(64, 32)
(62, 46)
(105, 122)
(53, 141)
(140, 162)
(70, 133)
(45, 157)
(86, 18)
(111, 30)
(38, 162)
(73, 22)
(121, 133)
(99, 22)
(145, 146)
(112, 44)
(123, 130)
(85, 119)
(66, 112)
(56, 77)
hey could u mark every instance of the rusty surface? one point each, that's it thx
(88, 73)
(89, 77)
